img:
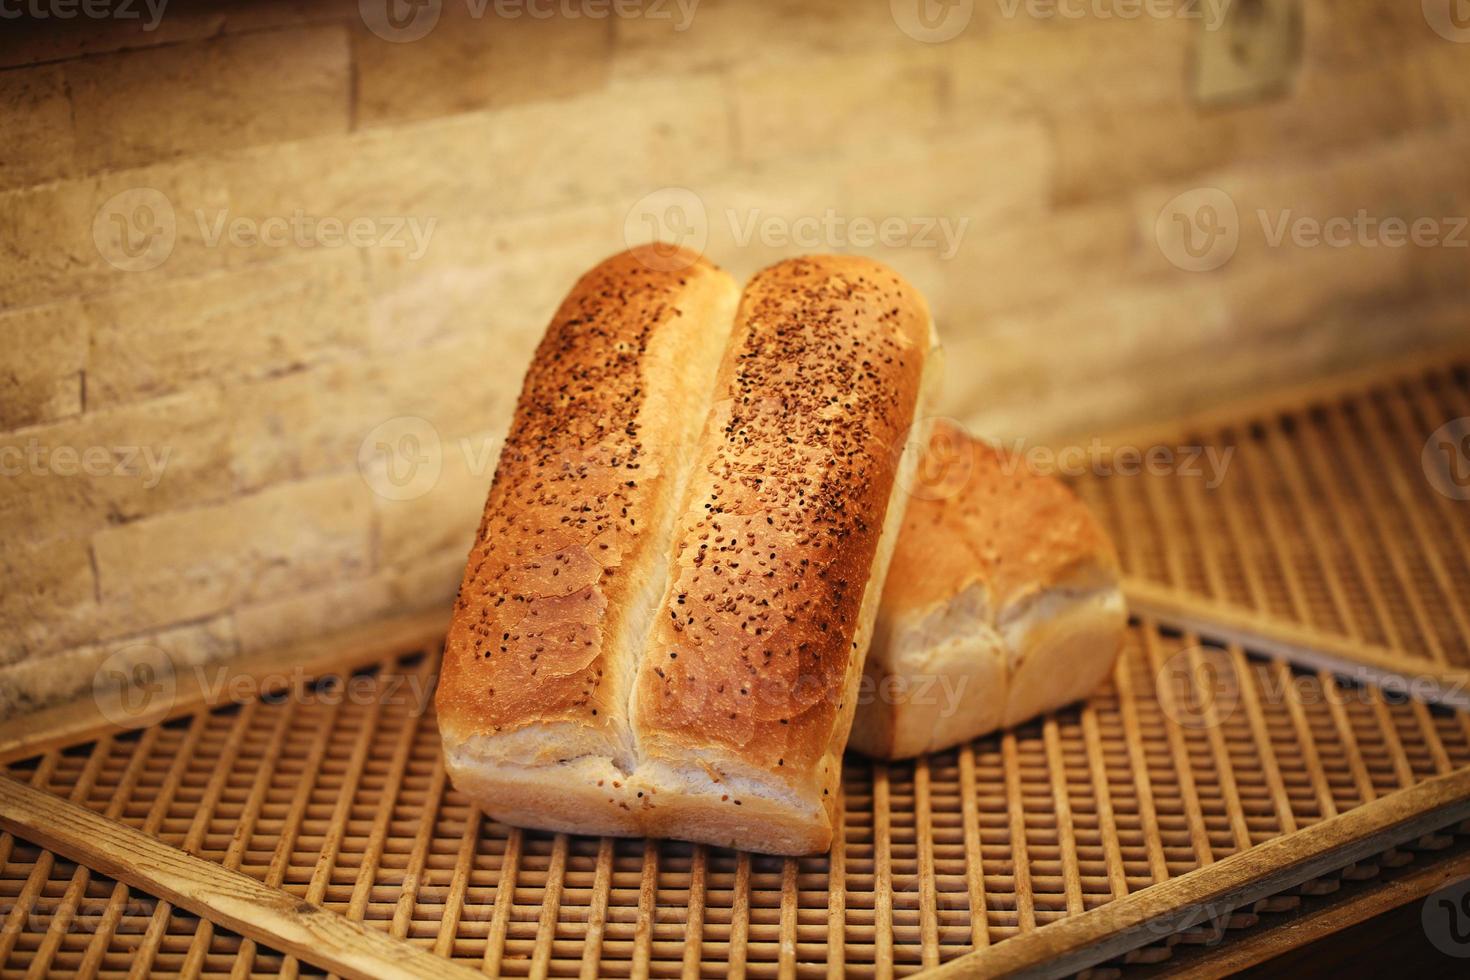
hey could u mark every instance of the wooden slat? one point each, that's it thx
(1260, 945)
(1300, 645)
(1078, 942)
(268, 672)
(225, 897)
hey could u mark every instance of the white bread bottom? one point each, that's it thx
(959, 672)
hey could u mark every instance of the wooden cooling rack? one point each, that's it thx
(1326, 517)
(1203, 792)
(342, 803)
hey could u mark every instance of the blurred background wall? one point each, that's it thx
(203, 385)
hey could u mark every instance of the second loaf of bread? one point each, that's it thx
(1003, 602)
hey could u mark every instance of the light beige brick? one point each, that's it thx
(429, 582)
(43, 681)
(992, 174)
(1341, 33)
(315, 421)
(760, 215)
(47, 252)
(43, 351)
(140, 107)
(77, 236)
(207, 214)
(997, 384)
(1442, 69)
(716, 35)
(1174, 346)
(1085, 248)
(818, 106)
(32, 41)
(1102, 153)
(228, 327)
(277, 623)
(242, 16)
(195, 563)
(1126, 324)
(114, 465)
(1298, 290)
(49, 598)
(623, 138)
(467, 63)
(1067, 69)
(489, 278)
(445, 517)
(35, 117)
(1142, 124)
(523, 159)
(1412, 178)
(1142, 113)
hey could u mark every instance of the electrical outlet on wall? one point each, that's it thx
(1250, 53)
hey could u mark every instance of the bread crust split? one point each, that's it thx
(1003, 602)
(661, 626)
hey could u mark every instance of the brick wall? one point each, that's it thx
(191, 417)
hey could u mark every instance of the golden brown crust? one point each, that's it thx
(753, 650)
(670, 506)
(990, 518)
(585, 461)
(1001, 602)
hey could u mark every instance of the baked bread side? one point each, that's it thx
(571, 554)
(745, 699)
(1003, 602)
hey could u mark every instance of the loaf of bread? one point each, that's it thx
(661, 625)
(1002, 602)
